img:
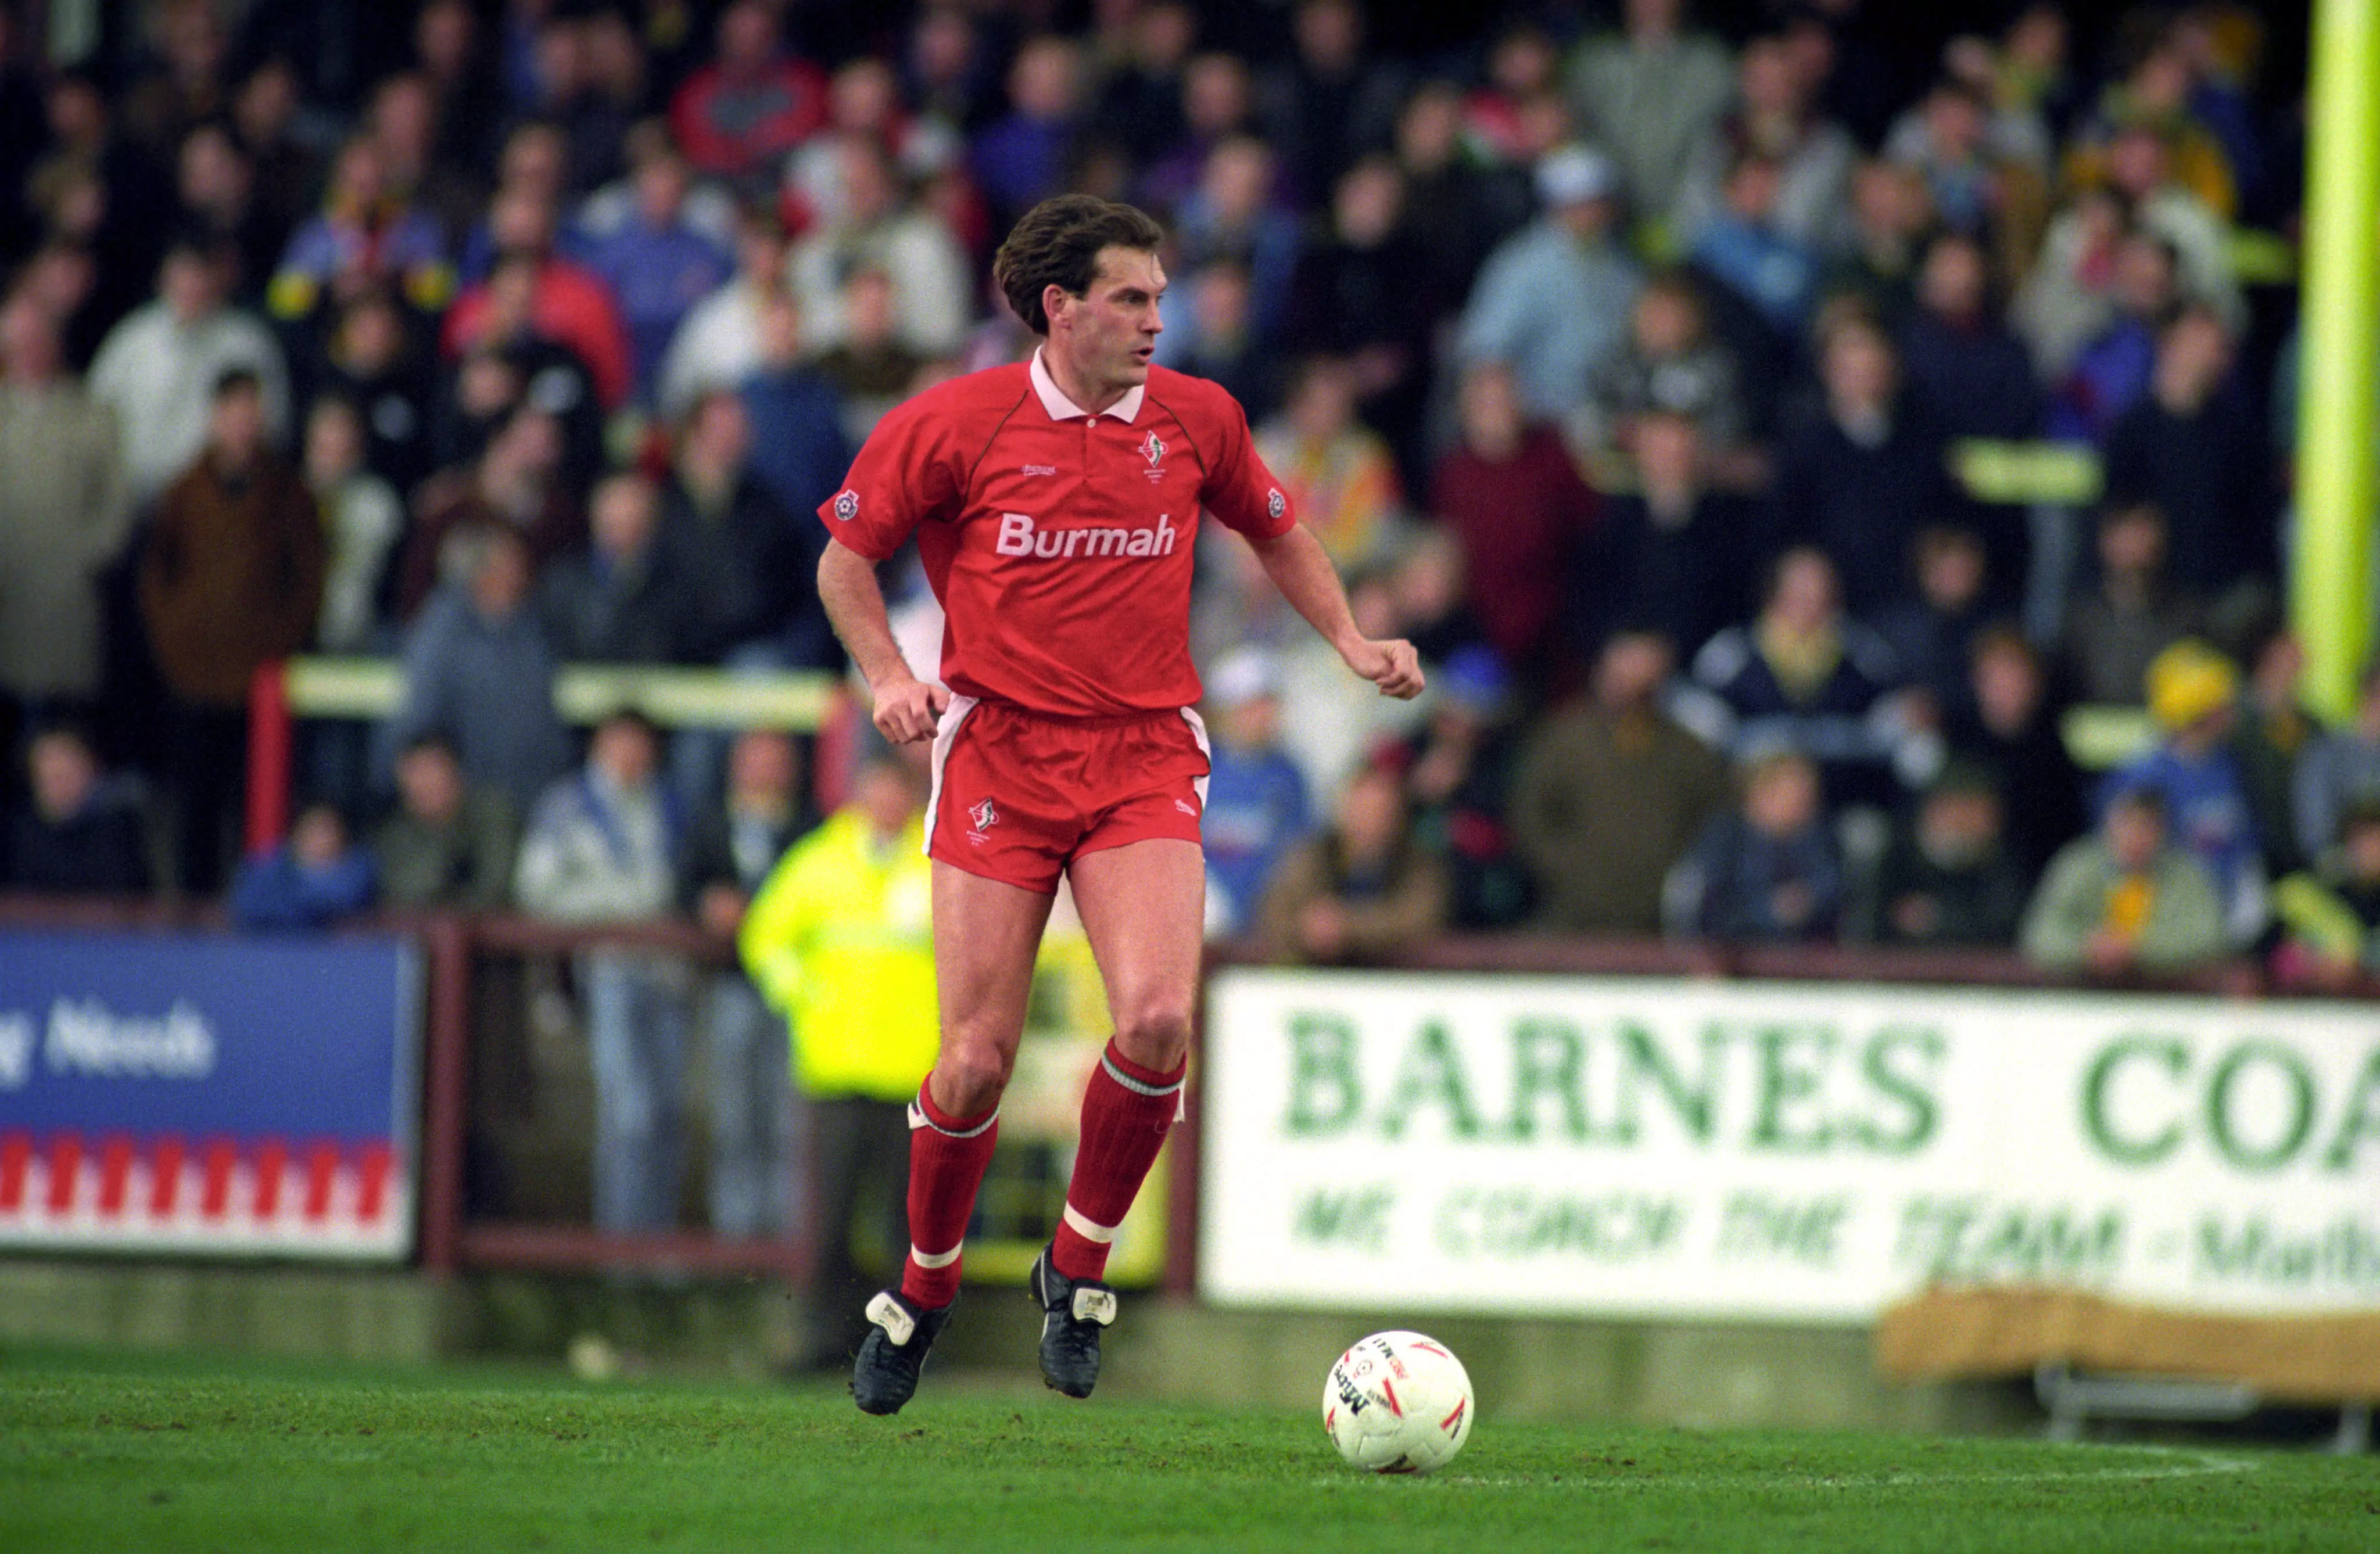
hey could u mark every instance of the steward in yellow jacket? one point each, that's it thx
(840, 941)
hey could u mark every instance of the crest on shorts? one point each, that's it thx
(1153, 449)
(983, 816)
(1276, 505)
(846, 505)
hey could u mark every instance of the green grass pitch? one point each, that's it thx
(117, 1452)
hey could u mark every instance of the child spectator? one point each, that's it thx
(1361, 891)
(78, 834)
(1258, 804)
(1766, 872)
(2192, 694)
(448, 844)
(1946, 877)
(315, 877)
(2124, 900)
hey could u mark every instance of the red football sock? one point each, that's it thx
(1126, 1113)
(947, 1159)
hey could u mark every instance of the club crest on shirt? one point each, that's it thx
(846, 505)
(1153, 449)
(981, 819)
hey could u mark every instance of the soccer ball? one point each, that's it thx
(1397, 1402)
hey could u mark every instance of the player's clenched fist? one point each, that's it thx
(909, 710)
(1393, 666)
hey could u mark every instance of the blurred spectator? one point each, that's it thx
(657, 265)
(947, 72)
(719, 344)
(567, 303)
(1021, 158)
(2189, 446)
(64, 518)
(515, 485)
(2193, 697)
(1522, 71)
(1361, 292)
(1470, 209)
(2008, 726)
(1428, 592)
(1946, 877)
(1859, 474)
(799, 450)
(1553, 302)
(2152, 101)
(1360, 890)
(361, 520)
(603, 847)
(282, 142)
(312, 878)
(1770, 276)
(1215, 337)
(869, 367)
(2067, 295)
(1930, 632)
(466, 103)
(79, 832)
(1968, 373)
(511, 361)
(1519, 512)
(839, 941)
(478, 670)
(1669, 362)
(1767, 871)
(1328, 102)
(533, 173)
(1774, 125)
(367, 234)
(1609, 794)
(1218, 102)
(1257, 805)
(1977, 190)
(2274, 732)
(740, 114)
(864, 99)
(1670, 555)
(1652, 93)
(215, 192)
(158, 369)
(585, 70)
(702, 209)
(449, 843)
(179, 78)
(735, 844)
(1806, 677)
(2332, 912)
(2112, 365)
(1337, 470)
(624, 598)
(368, 358)
(2340, 771)
(231, 578)
(2124, 899)
(1139, 102)
(885, 232)
(1458, 769)
(23, 130)
(1890, 219)
(747, 562)
(1231, 214)
(2134, 613)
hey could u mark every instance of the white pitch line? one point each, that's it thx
(2179, 1462)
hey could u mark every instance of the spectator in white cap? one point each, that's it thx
(1552, 303)
(1259, 806)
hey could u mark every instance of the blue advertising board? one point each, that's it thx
(209, 1093)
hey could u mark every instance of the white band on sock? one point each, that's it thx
(1082, 1225)
(935, 1260)
(1139, 1087)
(917, 1119)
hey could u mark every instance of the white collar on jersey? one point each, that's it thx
(1061, 408)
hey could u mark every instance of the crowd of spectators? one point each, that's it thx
(1618, 353)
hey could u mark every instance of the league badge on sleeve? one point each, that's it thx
(1275, 505)
(846, 505)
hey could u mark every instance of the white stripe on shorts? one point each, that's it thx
(946, 732)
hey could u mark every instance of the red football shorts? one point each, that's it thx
(1017, 797)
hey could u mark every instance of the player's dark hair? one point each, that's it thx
(1058, 243)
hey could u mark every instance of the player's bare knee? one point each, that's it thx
(970, 1077)
(1155, 1037)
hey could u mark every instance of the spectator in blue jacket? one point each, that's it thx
(1258, 803)
(1553, 302)
(313, 879)
(2192, 695)
(1767, 871)
(658, 264)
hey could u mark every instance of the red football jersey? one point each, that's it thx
(1060, 543)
